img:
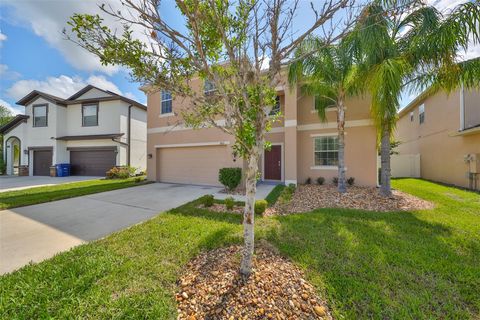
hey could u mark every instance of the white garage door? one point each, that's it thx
(192, 165)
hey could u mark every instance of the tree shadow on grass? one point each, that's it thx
(381, 265)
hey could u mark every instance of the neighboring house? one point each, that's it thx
(302, 145)
(445, 131)
(93, 130)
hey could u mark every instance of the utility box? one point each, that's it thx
(473, 162)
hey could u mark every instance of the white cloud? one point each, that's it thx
(3, 37)
(13, 110)
(47, 19)
(62, 86)
(5, 73)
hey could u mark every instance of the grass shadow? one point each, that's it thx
(380, 265)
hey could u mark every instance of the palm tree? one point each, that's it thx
(407, 44)
(328, 73)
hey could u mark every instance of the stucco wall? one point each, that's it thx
(360, 155)
(299, 121)
(138, 140)
(437, 140)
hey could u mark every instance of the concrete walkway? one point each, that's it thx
(10, 183)
(38, 232)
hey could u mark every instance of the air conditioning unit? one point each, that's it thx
(473, 162)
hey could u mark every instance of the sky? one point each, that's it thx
(34, 54)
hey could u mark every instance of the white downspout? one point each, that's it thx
(462, 108)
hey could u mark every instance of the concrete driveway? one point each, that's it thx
(38, 232)
(10, 183)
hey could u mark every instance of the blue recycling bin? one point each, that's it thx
(63, 169)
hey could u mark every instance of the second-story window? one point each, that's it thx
(411, 116)
(40, 115)
(209, 88)
(90, 115)
(166, 102)
(276, 107)
(421, 113)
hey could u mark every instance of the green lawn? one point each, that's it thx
(35, 195)
(402, 265)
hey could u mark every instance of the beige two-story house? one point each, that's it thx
(302, 146)
(445, 131)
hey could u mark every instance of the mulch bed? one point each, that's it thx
(211, 288)
(311, 197)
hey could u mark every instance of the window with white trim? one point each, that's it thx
(411, 116)
(421, 113)
(326, 151)
(90, 115)
(166, 102)
(40, 115)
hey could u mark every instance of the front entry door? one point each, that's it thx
(273, 163)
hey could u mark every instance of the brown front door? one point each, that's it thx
(42, 160)
(273, 163)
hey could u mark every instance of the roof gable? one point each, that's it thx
(35, 94)
(90, 92)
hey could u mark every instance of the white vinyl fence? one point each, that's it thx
(404, 165)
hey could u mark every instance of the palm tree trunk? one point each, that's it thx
(342, 187)
(248, 214)
(385, 189)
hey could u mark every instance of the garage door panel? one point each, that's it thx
(42, 160)
(92, 162)
(192, 165)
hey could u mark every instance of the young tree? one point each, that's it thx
(228, 44)
(329, 74)
(407, 43)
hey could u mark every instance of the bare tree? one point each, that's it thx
(238, 46)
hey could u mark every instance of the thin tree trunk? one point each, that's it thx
(342, 187)
(249, 214)
(385, 189)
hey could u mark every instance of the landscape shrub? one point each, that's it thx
(320, 180)
(335, 181)
(351, 181)
(230, 177)
(229, 203)
(139, 179)
(260, 206)
(207, 200)
(308, 181)
(120, 172)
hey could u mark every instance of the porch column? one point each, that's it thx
(290, 135)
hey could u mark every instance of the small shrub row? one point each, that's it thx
(260, 206)
(350, 181)
(120, 172)
(321, 181)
